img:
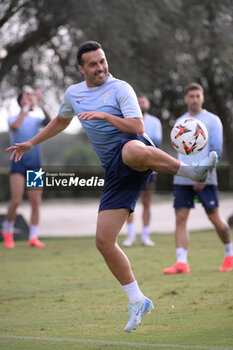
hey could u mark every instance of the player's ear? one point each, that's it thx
(81, 68)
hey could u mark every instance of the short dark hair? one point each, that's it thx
(19, 98)
(141, 94)
(87, 46)
(193, 86)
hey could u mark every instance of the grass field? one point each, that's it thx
(49, 297)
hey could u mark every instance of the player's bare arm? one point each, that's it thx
(40, 103)
(26, 104)
(199, 186)
(16, 125)
(55, 126)
(126, 125)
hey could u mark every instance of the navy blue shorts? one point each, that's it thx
(123, 185)
(23, 165)
(184, 196)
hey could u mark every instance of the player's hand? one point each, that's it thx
(199, 186)
(19, 149)
(27, 100)
(93, 115)
(38, 95)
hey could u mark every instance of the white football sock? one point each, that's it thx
(133, 292)
(8, 226)
(228, 249)
(181, 255)
(145, 232)
(186, 171)
(130, 229)
(33, 232)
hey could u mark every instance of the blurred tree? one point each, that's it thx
(81, 154)
(205, 45)
(158, 46)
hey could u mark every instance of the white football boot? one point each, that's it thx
(202, 169)
(136, 312)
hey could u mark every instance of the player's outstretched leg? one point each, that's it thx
(140, 157)
(199, 172)
(203, 168)
(136, 312)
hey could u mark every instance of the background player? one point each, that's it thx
(153, 129)
(23, 126)
(185, 189)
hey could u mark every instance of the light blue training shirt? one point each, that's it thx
(29, 128)
(115, 97)
(153, 128)
(213, 125)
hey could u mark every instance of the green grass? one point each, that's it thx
(66, 291)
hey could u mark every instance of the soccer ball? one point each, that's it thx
(189, 136)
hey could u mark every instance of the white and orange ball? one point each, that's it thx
(189, 136)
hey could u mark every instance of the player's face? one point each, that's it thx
(194, 100)
(144, 104)
(94, 68)
(28, 99)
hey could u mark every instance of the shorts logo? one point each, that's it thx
(35, 178)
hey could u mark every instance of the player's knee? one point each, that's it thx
(213, 216)
(181, 218)
(134, 153)
(146, 201)
(35, 204)
(35, 201)
(103, 245)
(16, 202)
(210, 211)
(100, 244)
(215, 220)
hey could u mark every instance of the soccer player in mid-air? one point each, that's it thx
(111, 117)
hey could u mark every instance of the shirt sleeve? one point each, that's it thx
(66, 111)
(216, 136)
(157, 135)
(128, 102)
(12, 119)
